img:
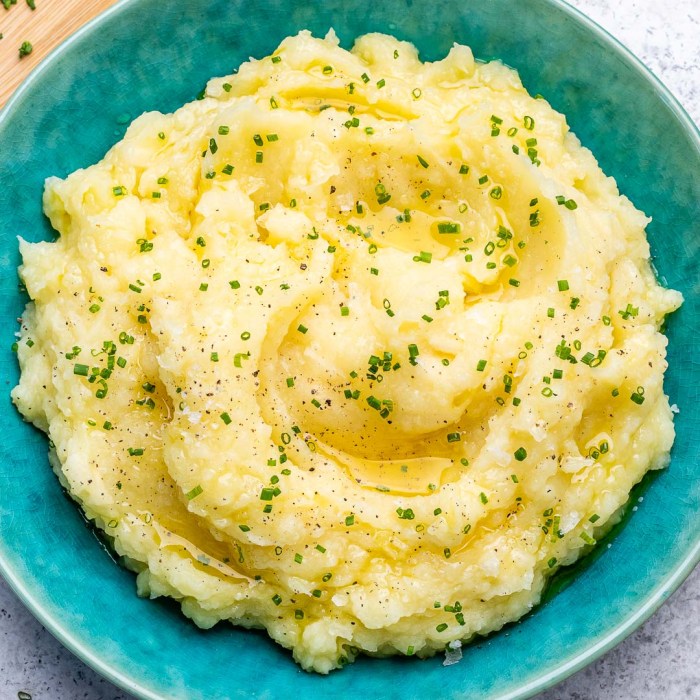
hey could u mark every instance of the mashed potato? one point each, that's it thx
(356, 348)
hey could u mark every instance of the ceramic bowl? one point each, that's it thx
(155, 54)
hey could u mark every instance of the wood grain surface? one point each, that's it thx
(45, 28)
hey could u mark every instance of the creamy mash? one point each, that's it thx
(356, 348)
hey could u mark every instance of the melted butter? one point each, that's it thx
(169, 539)
(310, 97)
(409, 476)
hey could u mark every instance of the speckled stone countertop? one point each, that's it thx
(662, 658)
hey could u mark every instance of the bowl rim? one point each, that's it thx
(548, 677)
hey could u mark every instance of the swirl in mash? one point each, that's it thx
(356, 348)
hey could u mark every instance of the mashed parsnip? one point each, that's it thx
(356, 348)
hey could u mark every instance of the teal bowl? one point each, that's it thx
(150, 54)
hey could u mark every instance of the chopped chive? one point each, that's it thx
(302, 329)
(350, 520)
(81, 370)
(194, 492)
(453, 437)
(423, 162)
(563, 285)
(481, 365)
(449, 227)
(382, 195)
(520, 454)
(225, 418)
(239, 357)
(638, 396)
(483, 498)
(135, 451)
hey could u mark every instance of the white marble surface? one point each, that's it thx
(662, 658)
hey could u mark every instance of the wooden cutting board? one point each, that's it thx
(45, 27)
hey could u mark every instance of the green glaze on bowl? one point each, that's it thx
(150, 54)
